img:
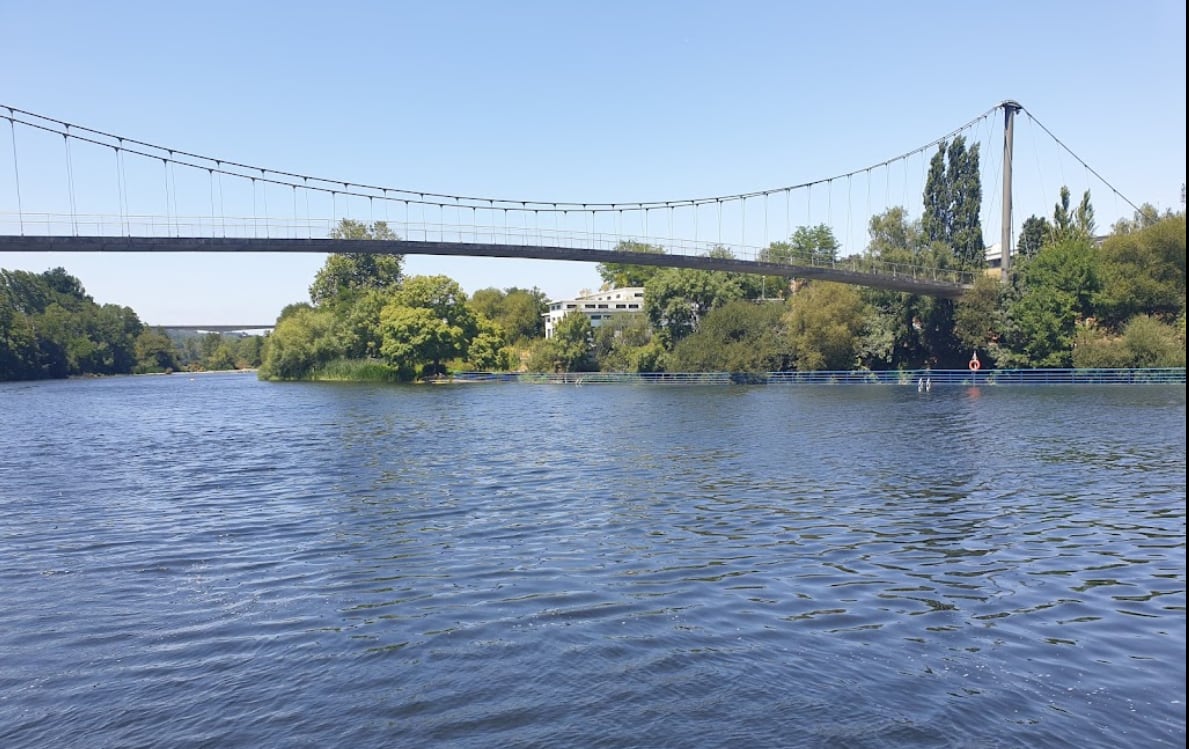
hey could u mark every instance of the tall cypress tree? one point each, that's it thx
(953, 200)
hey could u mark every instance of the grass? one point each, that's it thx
(354, 370)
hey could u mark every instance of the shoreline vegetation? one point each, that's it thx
(1076, 301)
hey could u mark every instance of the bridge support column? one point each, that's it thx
(1009, 117)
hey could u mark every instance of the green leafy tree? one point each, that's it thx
(809, 245)
(569, 349)
(1146, 215)
(358, 327)
(1144, 342)
(953, 201)
(1056, 292)
(426, 323)
(19, 353)
(740, 336)
(906, 330)
(676, 299)
(249, 351)
(1032, 236)
(488, 350)
(825, 323)
(625, 344)
(1143, 272)
(1072, 224)
(345, 275)
(302, 340)
(978, 317)
(517, 311)
(50, 327)
(623, 275)
(154, 352)
(893, 237)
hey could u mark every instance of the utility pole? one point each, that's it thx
(1010, 107)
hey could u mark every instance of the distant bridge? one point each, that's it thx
(215, 328)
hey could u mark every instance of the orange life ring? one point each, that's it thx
(974, 365)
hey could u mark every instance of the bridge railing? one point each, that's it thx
(141, 225)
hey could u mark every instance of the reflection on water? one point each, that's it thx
(218, 561)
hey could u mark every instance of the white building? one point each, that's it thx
(599, 307)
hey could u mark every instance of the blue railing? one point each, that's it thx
(1154, 376)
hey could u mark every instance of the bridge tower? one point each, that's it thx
(1010, 107)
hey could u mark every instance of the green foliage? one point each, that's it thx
(624, 344)
(809, 245)
(978, 317)
(953, 200)
(1077, 224)
(1032, 236)
(518, 312)
(1145, 342)
(354, 370)
(488, 349)
(623, 275)
(50, 327)
(568, 350)
(1055, 292)
(826, 322)
(676, 299)
(740, 336)
(154, 352)
(1146, 215)
(358, 326)
(301, 341)
(346, 275)
(1143, 272)
(427, 322)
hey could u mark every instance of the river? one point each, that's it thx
(213, 561)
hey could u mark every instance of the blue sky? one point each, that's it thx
(593, 102)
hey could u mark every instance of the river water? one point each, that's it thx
(212, 561)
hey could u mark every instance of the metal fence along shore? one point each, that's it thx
(908, 378)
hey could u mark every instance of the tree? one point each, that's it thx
(625, 344)
(1032, 236)
(892, 236)
(1146, 215)
(809, 245)
(345, 275)
(906, 329)
(953, 200)
(1056, 293)
(427, 322)
(517, 311)
(978, 317)
(1143, 272)
(623, 275)
(301, 341)
(1067, 224)
(568, 350)
(1145, 342)
(826, 323)
(676, 298)
(487, 350)
(740, 336)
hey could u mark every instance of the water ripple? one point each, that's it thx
(217, 561)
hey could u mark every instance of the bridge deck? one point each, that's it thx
(917, 281)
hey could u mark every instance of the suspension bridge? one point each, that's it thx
(122, 195)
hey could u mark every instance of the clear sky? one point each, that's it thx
(614, 101)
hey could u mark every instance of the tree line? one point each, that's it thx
(1074, 299)
(51, 328)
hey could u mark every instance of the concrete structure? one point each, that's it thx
(599, 307)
